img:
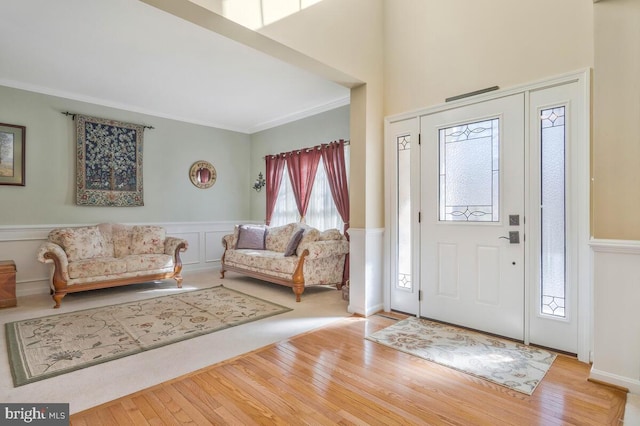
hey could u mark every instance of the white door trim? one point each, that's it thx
(581, 212)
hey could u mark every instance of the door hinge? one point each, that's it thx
(419, 295)
(419, 217)
(419, 138)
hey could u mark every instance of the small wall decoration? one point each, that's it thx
(109, 162)
(202, 174)
(12, 145)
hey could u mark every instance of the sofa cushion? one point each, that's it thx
(278, 237)
(251, 237)
(148, 262)
(96, 267)
(290, 250)
(147, 239)
(310, 235)
(80, 243)
(330, 234)
(262, 260)
(105, 230)
(121, 237)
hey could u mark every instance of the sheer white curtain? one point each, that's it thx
(285, 210)
(321, 214)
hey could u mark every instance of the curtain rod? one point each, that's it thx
(346, 142)
(73, 117)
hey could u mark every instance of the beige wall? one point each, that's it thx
(616, 120)
(432, 50)
(347, 35)
(435, 49)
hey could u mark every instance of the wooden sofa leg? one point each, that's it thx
(298, 289)
(57, 297)
(178, 279)
(298, 276)
(222, 271)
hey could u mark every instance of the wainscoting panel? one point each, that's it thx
(213, 245)
(366, 264)
(616, 342)
(20, 244)
(192, 255)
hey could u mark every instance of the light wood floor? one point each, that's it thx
(334, 376)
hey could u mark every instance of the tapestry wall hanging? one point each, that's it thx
(109, 162)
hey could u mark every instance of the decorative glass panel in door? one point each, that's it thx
(552, 212)
(404, 212)
(470, 172)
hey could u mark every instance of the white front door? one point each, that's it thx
(472, 207)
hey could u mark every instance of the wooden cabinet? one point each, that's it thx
(7, 284)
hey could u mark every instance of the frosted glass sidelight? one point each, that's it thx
(470, 172)
(404, 212)
(552, 212)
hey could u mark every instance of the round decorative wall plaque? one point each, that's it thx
(202, 174)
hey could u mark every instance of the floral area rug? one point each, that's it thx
(501, 361)
(49, 346)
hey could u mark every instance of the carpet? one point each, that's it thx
(44, 347)
(507, 363)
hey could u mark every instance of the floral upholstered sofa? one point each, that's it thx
(294, 255)
(108, 255)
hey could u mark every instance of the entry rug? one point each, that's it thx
(49, 346)
(507, 363)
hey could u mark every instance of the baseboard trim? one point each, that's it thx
(614, 380)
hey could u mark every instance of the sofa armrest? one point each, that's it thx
(52, 253)
(227, 241)
(321, 249)
(174, 246)
(48, 249)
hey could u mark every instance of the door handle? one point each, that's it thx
(514, 237)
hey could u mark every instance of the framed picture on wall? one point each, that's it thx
(12, 144)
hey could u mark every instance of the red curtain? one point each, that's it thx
(275, 168)
(302, 167)
(335, 167)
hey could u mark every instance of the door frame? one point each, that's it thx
(580, 214)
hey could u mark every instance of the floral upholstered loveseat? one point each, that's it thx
(108, 255)
(294, 255)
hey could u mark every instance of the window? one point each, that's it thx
(321, 214)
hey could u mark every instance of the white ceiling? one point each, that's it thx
(129, 55)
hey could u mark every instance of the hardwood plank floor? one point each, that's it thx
(334, 376)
